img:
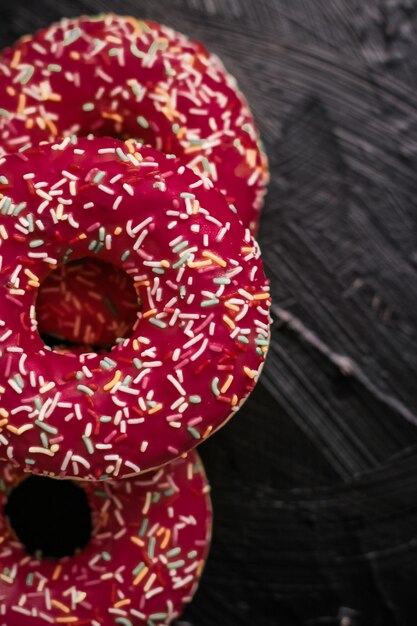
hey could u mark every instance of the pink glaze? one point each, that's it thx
(150, 539)
(87, 302)
(117, 76)
(198, 346)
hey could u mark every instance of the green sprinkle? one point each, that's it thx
(54, 67)
(176, 564)
(136, 52)
(18, 208)
(101, 494)
(125, 255)
(180, 246)
(176, 128)
(158, 616)
(105, 556)
(123, 621)
(113, 52)
(27, 75)
(72, 36)
(233, 208)
(142, 121)
(35, 243)
(143, 527)
(206, 165)
(182, 260)
(99, 177)
(173, 552)
(222, 280)
(137, 363)
(192, 554)
(151, 547)
(101, 233)
(214, 386)
(25, 147)
(195, 399)
(29, 578)
(30, 461)
(105, 418)
(242, 339)
(247, 128)
(6, 205)
(121, 154)
(79, 375)
(186, 194)
(157, 322)
(44, 440)
(49, 429)
(88, 106)
(85, 389)
(156, 497)
(4, 113)
(19, 380)
(138, 569)
(107, 363)
(260, 341)
(88, 444)
(3, 180)
(194, 432)
(211, 302)
(158, 270)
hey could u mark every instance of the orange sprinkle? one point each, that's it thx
(150, 313)
(234, 400)
(207, 432)
(117, 230)
(75, 55)
(261, 296)
(34, 283)
(247, 249)
(136, 344)
(29, 123)
(60, 606)
(122, 603)
(16, 59)
(166, 539)
(142, 283)
(165, 263)
(200, 263)
(116, 117)
(160, 531)
(113, 381)
(10, 91)
(3, 422)
(155, 409)
(248, 372)
(227, 384)
(21, 103)
(215, 258)
(66, 620)
(129, 145)
(57, 572)
(233, 307)
(12, 429)
(196, 206)
(51, 127)
(82, 236)
(55, 97)
(251, 158)
(229, 322)
(141, 575)
(3, 412)
(137, 541)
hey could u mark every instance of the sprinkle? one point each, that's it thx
(214, 386)
(142, 121)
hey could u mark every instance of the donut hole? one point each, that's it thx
(51, 518)
(87, 305)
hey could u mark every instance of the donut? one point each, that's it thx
(121, 77)
(149, 541)
(88, 304)
(202, 330)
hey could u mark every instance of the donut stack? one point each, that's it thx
(134, 314)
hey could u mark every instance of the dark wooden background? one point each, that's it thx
(315, 482)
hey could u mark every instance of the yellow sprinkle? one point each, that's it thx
(229, 322)
(60, 606)
(227, 384)
(47, 387)
(3, 232)
(34, 283)
(31, 275)
(196, 206)
(248, 372)
(117, 376)
(251, 158)
(141, 575)
(215, 258)
(3, 412)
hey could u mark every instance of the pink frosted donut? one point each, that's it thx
(88, 304)
(149, 541)
(117, 76)
(200, 339)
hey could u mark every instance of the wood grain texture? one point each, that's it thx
(315, 483)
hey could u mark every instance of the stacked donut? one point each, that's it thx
(134, 310)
